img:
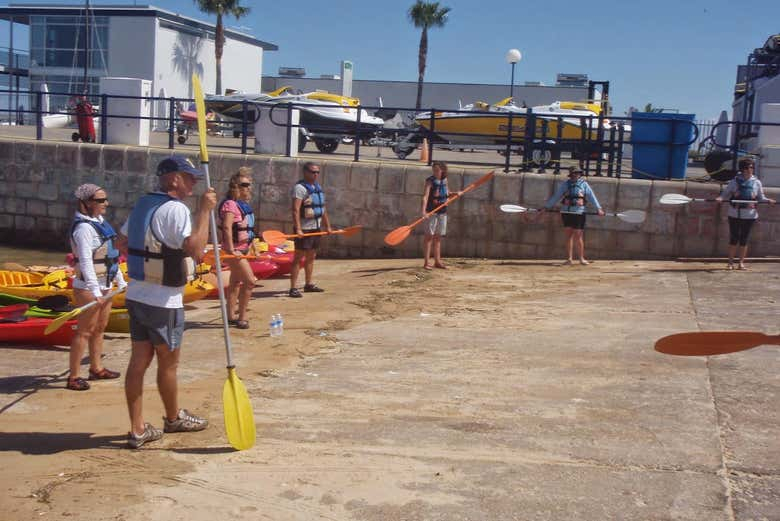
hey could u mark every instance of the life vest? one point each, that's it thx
(105, 258)
(149, 259)
(574, 197)
(314, 205)
(745, 192)
(437, 194)
(247, 222)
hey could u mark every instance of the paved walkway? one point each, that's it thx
(494, 390)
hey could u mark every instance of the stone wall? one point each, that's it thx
(37, 180)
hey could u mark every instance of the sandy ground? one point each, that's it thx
(490, 391)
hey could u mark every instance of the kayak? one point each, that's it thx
(118, 320)
(14, 312)
(283, 260)
(194, 290)
(31, 332)
(263, 268)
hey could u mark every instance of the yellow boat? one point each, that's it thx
(483, 124)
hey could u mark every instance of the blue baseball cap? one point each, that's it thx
(179, 164)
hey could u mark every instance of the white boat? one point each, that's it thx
(325, 118)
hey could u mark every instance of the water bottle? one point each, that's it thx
(280, 324)
(276, 325)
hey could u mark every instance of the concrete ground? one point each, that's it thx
(493, 390)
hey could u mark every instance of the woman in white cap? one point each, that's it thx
(96, 262)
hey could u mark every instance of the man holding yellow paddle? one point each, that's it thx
(161, 239)
(309, 216)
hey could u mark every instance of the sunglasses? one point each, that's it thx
(99, 200)
(245, 185)
(313, 171)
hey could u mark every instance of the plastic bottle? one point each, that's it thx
(277, 325)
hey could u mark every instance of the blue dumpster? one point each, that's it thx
(660, 141)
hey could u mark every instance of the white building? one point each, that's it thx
(131, 41)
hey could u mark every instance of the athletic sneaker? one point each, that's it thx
(150, 434)
(185, 422)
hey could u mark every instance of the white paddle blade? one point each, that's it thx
(675, 199)
(632, 216)
(513, 208)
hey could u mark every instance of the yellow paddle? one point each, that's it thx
(275, 237)
(239, 418)
(70, 315)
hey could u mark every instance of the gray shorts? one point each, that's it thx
(156, 325)
(436, 224)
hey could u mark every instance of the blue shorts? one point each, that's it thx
(156, 325)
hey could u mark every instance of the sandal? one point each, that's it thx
(427, 267)
(241, 324)
(312, 288)
(103, 374)
(77, 384)
(295, 293)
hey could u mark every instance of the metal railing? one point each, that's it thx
(527, 141)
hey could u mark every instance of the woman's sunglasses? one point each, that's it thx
(245, 185)
(99, 200)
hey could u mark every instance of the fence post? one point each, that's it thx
(430, 141)
(103, 118)
(38, 115)
(508, 144)
(357, 134)
(171, 121)
(244, 126)
(289, 129)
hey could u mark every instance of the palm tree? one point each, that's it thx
(221, 8)
(425, 15)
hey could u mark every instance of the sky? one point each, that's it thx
(674, 54)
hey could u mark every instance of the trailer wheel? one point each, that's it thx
(75, 137)
(326, 146)
(182, 139)
(302, 140)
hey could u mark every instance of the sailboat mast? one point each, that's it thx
(86, 46)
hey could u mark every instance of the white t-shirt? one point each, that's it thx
(171, 224)
(86, 240)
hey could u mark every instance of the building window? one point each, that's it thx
(59, 41)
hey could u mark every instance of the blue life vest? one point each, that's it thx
(745, 191)
(313, 206)
(149, 259)
(574, 197)
(437, 194)
(105, 258)
(247, 222)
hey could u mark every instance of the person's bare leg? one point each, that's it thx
(103, 314)
(295, 268)
(569, 244)
(140, 357)
(580, 239)
(437, 252)
(732, 252)
(742, 255)
(233, 289)
(427, 240)
(309, 265)
(247, 281)
(167, 384)
(86, 325)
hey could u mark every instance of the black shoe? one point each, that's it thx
(295, 293)
(312, 288)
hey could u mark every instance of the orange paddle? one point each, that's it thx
(400, 234)
(275, 237)
(708, 343)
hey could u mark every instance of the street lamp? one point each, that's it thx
(513, 56)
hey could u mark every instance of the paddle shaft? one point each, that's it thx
(448, 201)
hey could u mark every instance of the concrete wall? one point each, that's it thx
(37, 181)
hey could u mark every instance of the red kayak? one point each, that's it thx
(263, 268)
(30, 331)
(283, 260)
